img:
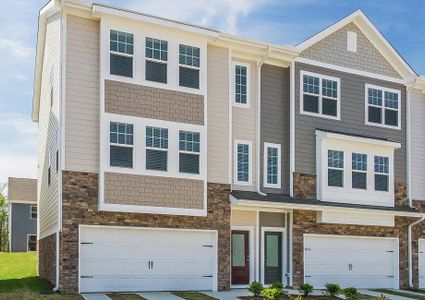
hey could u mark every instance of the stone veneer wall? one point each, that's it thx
(304, 222)
(80, 201)
(418, 232)
(305, 186)
(47, 258)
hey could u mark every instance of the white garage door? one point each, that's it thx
(123, 259)
(421, 262)
(351, 261)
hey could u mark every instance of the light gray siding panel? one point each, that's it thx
(21, 226)
(82, 95)
(275, 119)
(418, 144)
(352, 120)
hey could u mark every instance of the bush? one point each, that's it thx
(382, 297)
(332, 289)
(351, 293)
(255, 288)
(306, 289)
(272, 293)
(277, 285)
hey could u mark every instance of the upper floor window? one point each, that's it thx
(121, 145)
(243, 163)
(189, 63)
(156, 53)
(320, 95)
(156, 148)
(121, 53)
(31, 242)
(241, 84)
(382, 170)
(33, 211)
(359, 171)
(189, 150)
(272, 165)
(335, 168)
(383, 107)
(49, 168)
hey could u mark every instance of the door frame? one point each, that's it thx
(368, 237)
(421, 262)
(273, 229)
(252, 257)
(214, 286)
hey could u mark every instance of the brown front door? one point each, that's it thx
(240, 257)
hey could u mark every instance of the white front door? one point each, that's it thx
(421, 263)
(146, 259)
(362, 262)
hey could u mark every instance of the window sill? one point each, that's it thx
(306, 113)
(241, 105)
(383, 126)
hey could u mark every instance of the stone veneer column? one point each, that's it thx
(47, 259)
(305, 186)
(80, 206)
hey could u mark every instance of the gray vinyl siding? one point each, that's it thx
(21, 226)
(417, 111)
(275, 121)
(352, 120)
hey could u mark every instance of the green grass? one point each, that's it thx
(125, 297)
(193, 296)
(19, 280)
(400, 293)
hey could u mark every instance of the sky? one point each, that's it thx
(274, 21)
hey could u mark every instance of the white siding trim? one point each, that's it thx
(248, 84)
(351, 41)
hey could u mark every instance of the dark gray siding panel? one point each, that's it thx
(352, 120)
(21, 226)
(275, 119)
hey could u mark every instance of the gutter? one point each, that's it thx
(410, 254)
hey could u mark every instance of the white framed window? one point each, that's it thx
(121, 51)
(320, 95)
(156, 55)
(272, 165)
(156, 148)
(189, 151)
(335, 168)
(31, 242)
(382, 170)
(243, 162)
(241, 84)
(383, 107)
(121, 145)
(359, 171)
(189, 66)
(49, 168)
(33, 212)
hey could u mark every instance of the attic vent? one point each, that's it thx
(351, 41)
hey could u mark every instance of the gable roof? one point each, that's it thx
(22, 190)
(373, 34)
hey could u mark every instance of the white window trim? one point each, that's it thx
(351, 41)
(165, 62)
(338, 99)
(157, 149)
(31, 206)
(279, 166)
(248, 84)
(381, 173)
(119, 145)
(383, 89)
(343, 169)
(359, 171)
(28, 240)
(235, 173)
(190, 152)
(189, 67)
(120, 53)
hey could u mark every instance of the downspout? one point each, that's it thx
(259, 65)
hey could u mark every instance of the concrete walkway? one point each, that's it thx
(228, 295)
(159, 296)
(95, 297)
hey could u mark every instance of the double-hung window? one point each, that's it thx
(272, 165)
(156, 54)
(33, 211)
(241, 84)
(121, 53)
(359, 171)
(320, 95)
(383, 106)
(156, 148)
(121, 145)
(31, 242)
(243, 163)
(189, 64)
(335, 168)
(189, 149)
(382, 170)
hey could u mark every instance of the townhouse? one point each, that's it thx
(176, 157)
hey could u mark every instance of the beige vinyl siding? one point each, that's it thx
(417, 109)
(218, 115)
(82, 95)
(48, 196)
(244, 125)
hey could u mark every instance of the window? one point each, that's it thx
(383, 107)
(272, 165)
(57, 161)
(33, 211)
(351, 41)
(243, 163)
(31, 242)
(189, 61)
(121, 145)
(156, 148)
(335, 168)
(241, 85)
(121, 53)
(382, 170)
(359, 171)
(156, 53)
(49, 169)
(320, 95)
(51, 96)
(189, 147)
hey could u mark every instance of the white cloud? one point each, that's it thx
(15, 49)
(18, 122)
(17, 165)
